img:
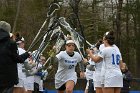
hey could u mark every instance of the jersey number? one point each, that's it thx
(71, 66)
(115, 59)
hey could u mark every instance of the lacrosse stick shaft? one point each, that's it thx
(46, 61)
(37, 34)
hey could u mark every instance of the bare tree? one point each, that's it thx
(118, 22)
(17, 15)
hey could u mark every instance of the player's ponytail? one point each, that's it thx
(109, 36)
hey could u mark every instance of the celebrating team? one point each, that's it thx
(105, 63)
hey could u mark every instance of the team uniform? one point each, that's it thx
(29, 82)
(97, 72)
(112, 74)
(66, 68)
(24, 81)
(21, 74)
(102, 73)
(38, 80)
(100, 70)
(90, 73)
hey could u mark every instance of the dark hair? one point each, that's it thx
(18, 37)
(99, 42)
(109, 36)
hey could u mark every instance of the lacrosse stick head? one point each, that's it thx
(63, 22)
(53, 7)
(57, 35)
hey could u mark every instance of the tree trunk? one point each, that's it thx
(95, 22)
(118, 22)
(127, 34)
(138, 39)
(17, 14)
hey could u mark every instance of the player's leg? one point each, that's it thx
(91, 87)
(99, 90)
(18, 90)
(69, 86)
(108, 90)
(117, 90)
(61, 89)
(86, 89)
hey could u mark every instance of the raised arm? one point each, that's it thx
(94, 58)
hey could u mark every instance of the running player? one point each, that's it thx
(66, 77)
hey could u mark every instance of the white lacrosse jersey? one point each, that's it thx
(21, 75)
(20, 51)
(38, 80)
(97, 73)
(66, 68)
(89, 74)
(102, 74)
(102, 46)
(113, 75)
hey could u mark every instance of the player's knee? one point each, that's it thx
(69, 90)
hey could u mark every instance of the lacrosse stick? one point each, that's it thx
(53, 7)
(67, 26)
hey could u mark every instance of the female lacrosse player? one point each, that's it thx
(66, 77)
(90, 69)
(98, 67)
(19, 88)
(113, 80)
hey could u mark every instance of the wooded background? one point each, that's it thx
(95, 18)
